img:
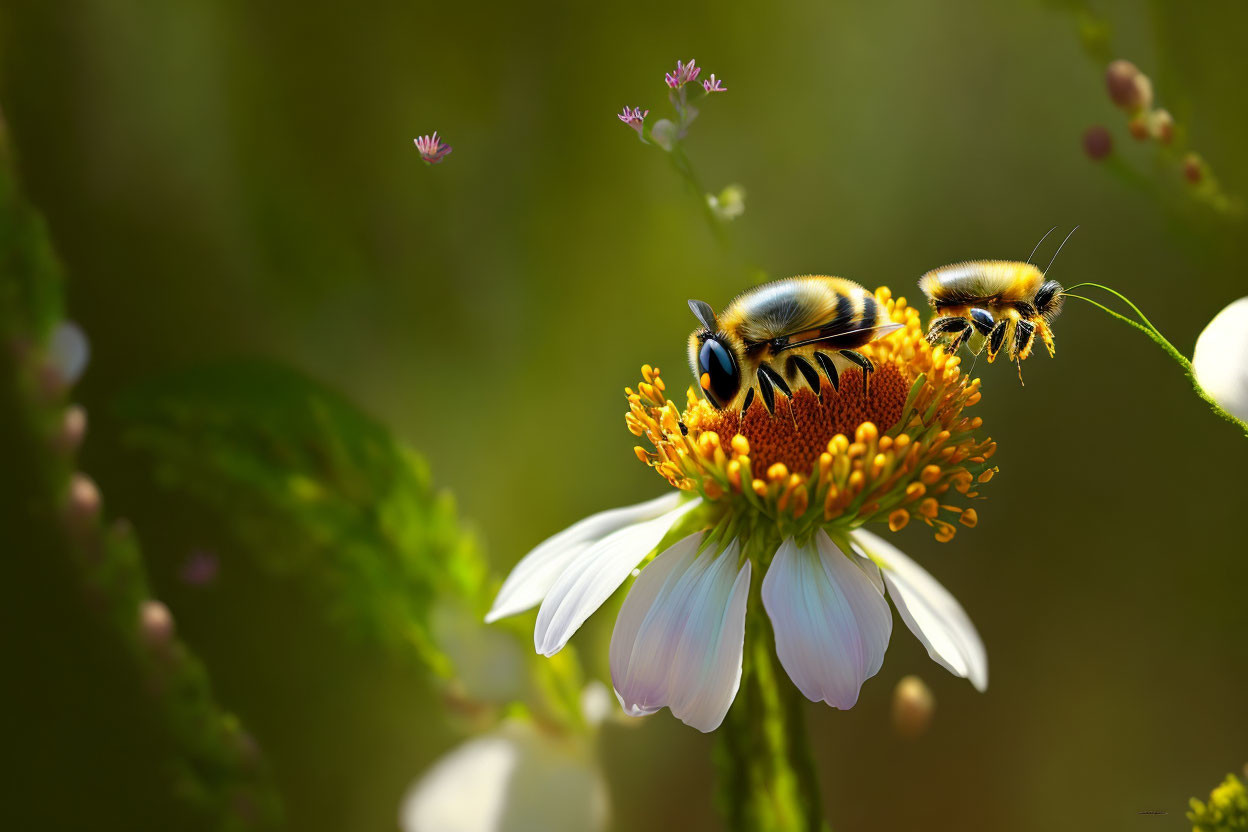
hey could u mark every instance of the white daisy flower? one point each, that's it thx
(740, 512)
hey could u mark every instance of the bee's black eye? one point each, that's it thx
(716, 361)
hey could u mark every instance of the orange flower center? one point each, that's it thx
(799, 431)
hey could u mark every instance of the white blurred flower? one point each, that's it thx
(514, 779)
(68, 352)
(728, 204)
(1220, 361)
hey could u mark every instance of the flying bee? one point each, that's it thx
(1002, 301)
(781, 334)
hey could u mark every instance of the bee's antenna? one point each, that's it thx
(1059, 249)
(1042, 239)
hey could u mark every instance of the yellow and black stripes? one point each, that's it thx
(1005, 302)
(782, 334)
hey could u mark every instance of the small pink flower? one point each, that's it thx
(431, 148)
(634, 118)
(714, 85)
(683, 75)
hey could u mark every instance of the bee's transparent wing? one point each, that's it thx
(878, 331)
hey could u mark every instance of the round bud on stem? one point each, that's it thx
(155, 625)
(73, 429)
(1193, 168)
(1161, 125)
(82, 504)
(1139, 127)
(1128, 88)
(1097, 143)
(1120, 82)
(913, 705)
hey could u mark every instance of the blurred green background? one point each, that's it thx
(231, 178)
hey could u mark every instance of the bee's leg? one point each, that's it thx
(768, 382)
(767, 392)
(749, 400)
(865, 363)
(956, 342)
(829, 369)
(942, 326)
(1024, 337)
(960, 335)
(801, 365)
(1046, 335)
(996, 338)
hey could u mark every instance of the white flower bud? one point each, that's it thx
(1220, 361)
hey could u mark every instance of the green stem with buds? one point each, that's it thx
(1160, 340)
(767, 777)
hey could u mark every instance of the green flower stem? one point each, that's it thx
(680, 161)
(767, 778)
(1160, 340)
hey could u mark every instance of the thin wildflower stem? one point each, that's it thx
(1160, 340)
(680, 161)
(1122, 298)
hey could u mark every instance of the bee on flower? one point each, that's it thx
(782, 490)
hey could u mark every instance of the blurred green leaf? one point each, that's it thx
(30, 276)
(316, 490)
(1226, 811)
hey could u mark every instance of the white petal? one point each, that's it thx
(679, 638)
(832, 624)
(929, 611)
(593, 574)
(1221, 358)
(863, 562)
(504, 781)
(533, 576)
